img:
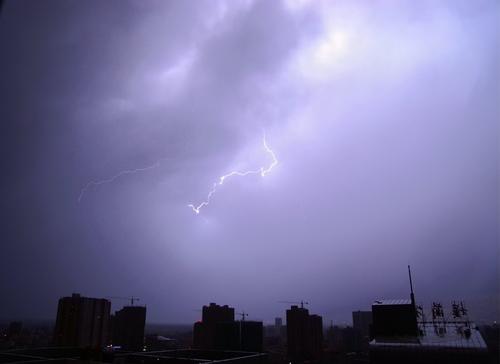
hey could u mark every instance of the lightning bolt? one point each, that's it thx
(116, 176)
(262, 171)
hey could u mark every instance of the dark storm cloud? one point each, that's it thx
(384, 120)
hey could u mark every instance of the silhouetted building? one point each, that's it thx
(361, 321)
(394, 318)
(278, 324)
(82, 322)
(297, 333)
(219, 331)
(304, 335)
(316, 338)
(251, 336)
(491, 336)
(199, 336)
(341, 339)
(448, 343)
(399, 336)
(279, 330)
(205, 333)
(215, 313)
(226, 336)
(128, 327)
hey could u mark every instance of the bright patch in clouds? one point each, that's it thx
(320, 60)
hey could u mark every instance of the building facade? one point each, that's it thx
(304, 335)
(82, 322)
(219, 331)
(128, 327)
(400, 338)
(361, 322)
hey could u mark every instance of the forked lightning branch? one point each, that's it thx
(262, 171)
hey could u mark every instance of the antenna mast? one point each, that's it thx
(412, 296)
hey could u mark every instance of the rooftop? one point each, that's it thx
(193, 356)
(184, 356)
(399, 301)
(453, 337)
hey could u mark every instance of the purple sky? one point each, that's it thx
(384, 118)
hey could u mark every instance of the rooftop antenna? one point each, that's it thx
(412, 296)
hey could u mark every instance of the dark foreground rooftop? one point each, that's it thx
(445, 344)
(194, 356)
(40, 355)
(75, 355)
(451, 338)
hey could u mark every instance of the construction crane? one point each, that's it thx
(243, 314)
(132, 299)
(301, 303)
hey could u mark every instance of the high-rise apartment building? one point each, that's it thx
(82, 322)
